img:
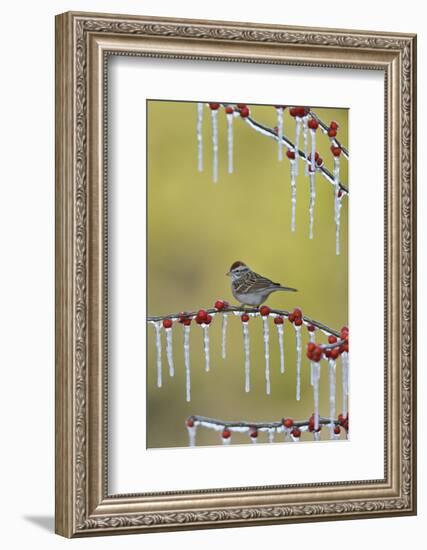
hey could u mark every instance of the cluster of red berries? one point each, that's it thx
(311, 424)
(184, 319)
(316, 352)
(243, 110)
(299, 111)
(343, 421)
(317, 159)
(332, 130)
(203, 317)
(296, 317)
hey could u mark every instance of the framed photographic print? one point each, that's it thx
(233, 201)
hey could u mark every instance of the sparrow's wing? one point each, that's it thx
(253, 282)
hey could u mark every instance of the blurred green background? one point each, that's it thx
(197, 229)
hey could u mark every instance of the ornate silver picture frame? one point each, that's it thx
(84, 43)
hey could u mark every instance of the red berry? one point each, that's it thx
(309, 355)
(264, 310)
(226, 433)
(344, 333)
(333, 125)
(297, 312)
(208, 320)
(298, 322)
(311, 346)
(311, 328)
(332, 339)
(336, 151)
(241, 105)
(332, 133)
(245, 318)
(319, 161)
(290, 154)
(291, 317)
(288, 422)
(202, 314)
(278, 320)
(337, 430)
(293, 111)
(317, 354)
(313, 124)
(254, 433)
(339, 194)
(219, 304)
(190, 421)
(335, 353)
(186, 322)
(167, 323)
(244, 112)
(229, 110)
(328, 353)
(214, 106)
(296, 432)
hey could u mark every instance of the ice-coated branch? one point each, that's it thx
(250, 311)
(325, 129)
(270, 132)
(204, 421)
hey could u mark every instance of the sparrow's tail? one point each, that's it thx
(286, 288)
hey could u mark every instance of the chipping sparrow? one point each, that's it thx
(249, 288)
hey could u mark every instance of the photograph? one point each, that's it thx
(247, 273)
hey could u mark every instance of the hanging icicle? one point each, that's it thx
(230, 117)
(291, 157)
(224, 323)
(305, 141)
(187, 328)
(278, 321)
(246, 347)
(167, 325)
(265, 311)
(271, 432)
(332, 392)
(312, 339)
(344, 378)
(298, 339)
(204, 320)
(298, 122)
(336, 152)
(279, 110)
(214, 119)
(158, 329)
(312, 177)
(200, 137)
(191, 429)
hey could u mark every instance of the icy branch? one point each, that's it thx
(206, 421)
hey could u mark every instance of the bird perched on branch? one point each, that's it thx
(252, 289)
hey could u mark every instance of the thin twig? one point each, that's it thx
(255, 311)
(325, 129)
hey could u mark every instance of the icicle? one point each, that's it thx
(200, 137)
(191, 435)
(246, 348)
(299, 358)
(332, 391)
(297, 136)
(344, 377)
(280, 334)
(187, 361)
(312, 339)
(230, 117)
(271, 435)
(279, 132)
(169, 351)
(158, 329)
(313, 149)
(312, 176)
(337, 203)
(224, 335)
(316, 380)
(316, 436)
(293, 192)
(266, 332)
(305, 138)
(214, 115)
(205, 329)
